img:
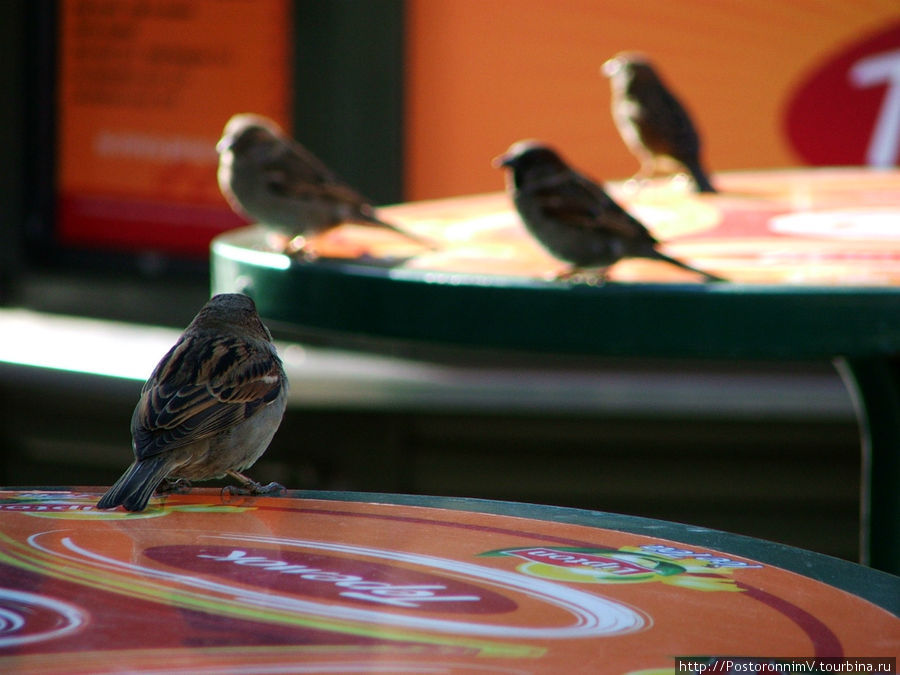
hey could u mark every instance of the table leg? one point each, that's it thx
(874, 384)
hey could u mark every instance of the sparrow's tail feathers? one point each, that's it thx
(134, 489)
(372, 220)
(701, 180)
(683, 265)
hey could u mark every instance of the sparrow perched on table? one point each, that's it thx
(210, 407)
(653, 123)
(274, 180)
(573, 217)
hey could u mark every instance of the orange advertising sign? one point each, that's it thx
(199, 582)
(768, 84)
(144, 91)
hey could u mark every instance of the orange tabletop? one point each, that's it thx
(331, 583)
(825, 226)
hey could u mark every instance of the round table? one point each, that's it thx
(812, 255)
(349, 582)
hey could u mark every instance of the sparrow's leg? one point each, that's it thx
(565, 275)
(592, 277)
(277, 241)
(602, 276)
(250, 486)
(297, 246)
(646, 171)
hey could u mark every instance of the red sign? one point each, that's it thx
(847, 111)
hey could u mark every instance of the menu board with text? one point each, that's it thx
(145, 88)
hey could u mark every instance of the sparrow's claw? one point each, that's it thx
(251, 487)
(596, 277)
(270, 489)
(565, 275)
(256, 489)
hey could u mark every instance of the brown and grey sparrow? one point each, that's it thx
(573, 217)
(651, 120)
(210, 407)
(272, 179)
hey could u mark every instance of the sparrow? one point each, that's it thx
(210, 407)
(268, 177)
(651, 120)
(573, 217)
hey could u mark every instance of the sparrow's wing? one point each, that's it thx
(293, 171)
(664, 124)
(580, 202)
(201, 387)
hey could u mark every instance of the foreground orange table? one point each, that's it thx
(341, 583)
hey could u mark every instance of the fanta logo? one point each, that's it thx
(335, 578)
(566, 559)
(677, 567)
(847, 111)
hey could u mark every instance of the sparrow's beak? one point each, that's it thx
(611, 67)
(225, 143)
(501, 161)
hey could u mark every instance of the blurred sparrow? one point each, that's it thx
(275, 181)
(571, 216)
(652, 122)
(210, 408)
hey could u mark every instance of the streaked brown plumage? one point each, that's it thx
(573, 217)
(652, 122)
(210, 407)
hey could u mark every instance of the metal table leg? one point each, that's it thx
(874, 384)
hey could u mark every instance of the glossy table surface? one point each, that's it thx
(351, 582)
(813, 259)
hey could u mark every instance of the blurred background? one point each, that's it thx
(108, 201)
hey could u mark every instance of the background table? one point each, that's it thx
(344, 582)
(813, 257)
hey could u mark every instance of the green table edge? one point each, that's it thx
(695, 320)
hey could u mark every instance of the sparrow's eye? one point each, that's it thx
(250, 139)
